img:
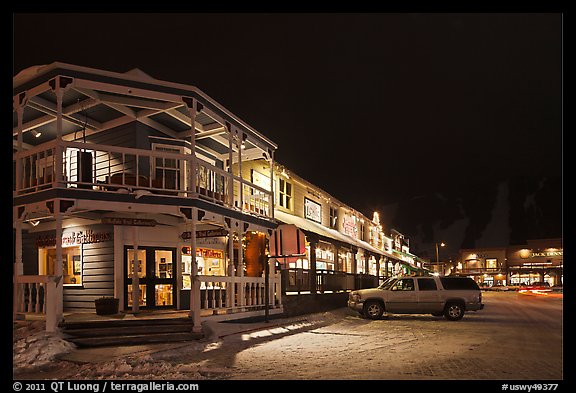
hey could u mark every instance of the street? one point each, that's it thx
(516, 337)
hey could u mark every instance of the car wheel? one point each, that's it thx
(454, 311)
(373, 309)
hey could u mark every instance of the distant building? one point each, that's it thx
(537, 260)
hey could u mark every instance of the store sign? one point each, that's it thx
(207, 233)
(312, 210)
(525, 254)
(349, 225)
(261, 180)
(139, 222)
(204, 252)
(74, 238)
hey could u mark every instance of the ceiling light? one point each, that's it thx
(36, 133)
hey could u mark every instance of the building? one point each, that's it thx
(120, 178)
(344, 248)
(113, 174)
(537, 260)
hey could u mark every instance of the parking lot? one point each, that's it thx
(515, 337)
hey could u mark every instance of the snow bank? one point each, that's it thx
(33, 347)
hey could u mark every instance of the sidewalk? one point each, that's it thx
(213, 331)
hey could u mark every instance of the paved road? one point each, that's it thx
(515, 337)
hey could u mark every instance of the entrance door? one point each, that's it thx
(157, 276)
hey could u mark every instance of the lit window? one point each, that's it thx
(285, 194)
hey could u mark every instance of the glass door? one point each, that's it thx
(157, 276)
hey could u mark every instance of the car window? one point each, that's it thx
(405, 284)
(426, 284)
(387, 284)
(455, 283)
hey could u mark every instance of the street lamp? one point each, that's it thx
(437, 260)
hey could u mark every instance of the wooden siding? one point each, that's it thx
(98, 274)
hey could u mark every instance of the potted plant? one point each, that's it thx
(107, 305)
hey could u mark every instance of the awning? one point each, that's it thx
(321, 230)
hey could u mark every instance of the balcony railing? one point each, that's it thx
(103, 168)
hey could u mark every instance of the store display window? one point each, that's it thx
(210, 263)
(71, 264)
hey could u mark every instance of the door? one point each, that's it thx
(157, 276)
(428, 296)
(401, 297)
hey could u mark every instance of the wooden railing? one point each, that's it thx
(238, 293)
(106, 168)
(298, 280)
(35, 295)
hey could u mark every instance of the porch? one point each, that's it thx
(220, 298)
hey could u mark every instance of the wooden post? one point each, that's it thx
(195, 282)
(135, 272)
(230, 171)
(51, 300)
(231, 288)
(192, 161)
(312, 271)
(241, 193)
(240, 271)
(58, 291)
(271, 196)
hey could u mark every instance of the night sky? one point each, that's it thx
(373, 108)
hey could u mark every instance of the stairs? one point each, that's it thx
(128, 332)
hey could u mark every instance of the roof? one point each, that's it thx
(321, 230)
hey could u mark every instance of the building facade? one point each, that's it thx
(538, 260)
(119, 179)
(344, 248)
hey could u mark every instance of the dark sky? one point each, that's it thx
(373, 108)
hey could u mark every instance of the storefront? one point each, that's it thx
(87, 261)
(538, 261)
(487, 266)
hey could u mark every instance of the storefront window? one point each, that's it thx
(71, 263)
(141, 263)
(491, 263)
(210, 263)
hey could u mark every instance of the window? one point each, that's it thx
(71, 264)
(333, 217)
(426, 284)
(454, 283)
(285, 194)
(491, 263)
(361, 231)
(167, 170)
(406, 284)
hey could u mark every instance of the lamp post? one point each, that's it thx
(437, 259)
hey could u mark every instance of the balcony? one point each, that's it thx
(111, 169)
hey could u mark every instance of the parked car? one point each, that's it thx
(447, 296)
(538, 286)
(499, 287)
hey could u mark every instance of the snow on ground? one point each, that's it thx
(33, 347)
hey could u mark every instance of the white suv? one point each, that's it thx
(448, 296)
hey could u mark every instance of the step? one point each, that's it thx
(94, 324)
(84, 342)
(116, 330)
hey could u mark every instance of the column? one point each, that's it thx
(271, 201)
(240, 272)
(20, 114)
(241, 194)
(231, 287)
(58, 268)
(312, 271)
(192, 161)
(58, 151)
(195, 284)
(135, 273)
(230, 171)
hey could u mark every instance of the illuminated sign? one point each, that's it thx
(349, 225)
(74, 238)
(312, 210)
